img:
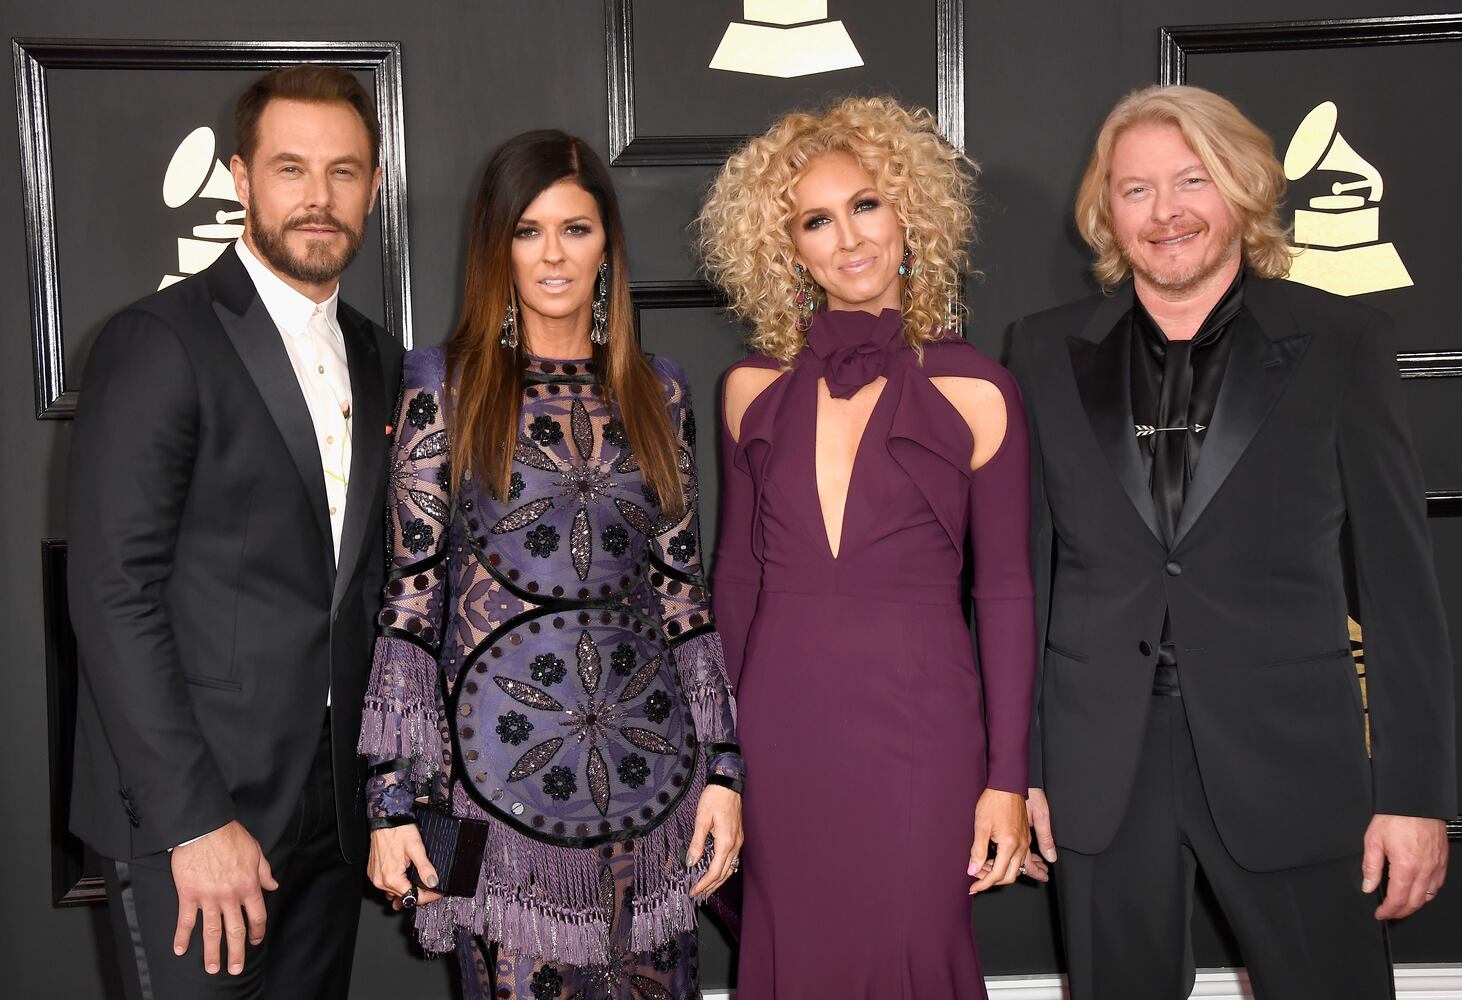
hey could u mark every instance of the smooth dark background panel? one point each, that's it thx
(1039, 76)
(677, 40)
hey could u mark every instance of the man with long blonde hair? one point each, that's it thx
(1212, 445)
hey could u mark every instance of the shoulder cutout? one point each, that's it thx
(744, 383)
(982, 405)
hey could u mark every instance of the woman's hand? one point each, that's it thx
(719, 814)
(392, 849)
(999, 819)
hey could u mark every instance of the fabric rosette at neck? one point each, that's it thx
(854, 348)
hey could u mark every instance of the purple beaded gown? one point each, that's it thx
(565, 632)
(864, 716)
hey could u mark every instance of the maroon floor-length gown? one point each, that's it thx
(869, 731)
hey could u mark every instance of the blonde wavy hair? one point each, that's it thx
(1237, 154)
(744, 233)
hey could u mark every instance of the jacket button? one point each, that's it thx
(1144, 647)
(1174, 568)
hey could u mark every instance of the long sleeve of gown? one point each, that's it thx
(1004, 596)
(736, 578)
(403, 719)
(677, 574)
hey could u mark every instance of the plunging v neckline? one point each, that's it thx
(817, 386)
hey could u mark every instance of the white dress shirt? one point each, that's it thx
(316, 349)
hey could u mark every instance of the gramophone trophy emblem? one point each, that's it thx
(193, 174)
(1339, 234)
(785, 38)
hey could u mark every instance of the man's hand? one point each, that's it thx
(718, 813)
(999, 819)
(392, 850)
(1037, 866)
(223, 874)
(1414, 849)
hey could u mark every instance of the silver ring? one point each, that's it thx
(1023, 871)
(408, 901)
(1428, 893)
(735, 865)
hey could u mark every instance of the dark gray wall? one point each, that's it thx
(1039, 76)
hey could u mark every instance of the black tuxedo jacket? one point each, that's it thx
(208, 609)
(1308, 458)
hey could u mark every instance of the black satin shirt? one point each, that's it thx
(1174, 390)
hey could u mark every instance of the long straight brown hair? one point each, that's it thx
(485, 403)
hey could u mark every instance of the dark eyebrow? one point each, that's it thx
(288, 157)
(857, 196)
(525, 221)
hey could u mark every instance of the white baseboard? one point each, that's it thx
(1413, 982)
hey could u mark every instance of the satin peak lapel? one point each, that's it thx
(1103, 371)
(258, 343)
(1258, 370)
(367, 451)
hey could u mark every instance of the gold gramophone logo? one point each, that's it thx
(785, 38)
(196, 174)
(1340, 232)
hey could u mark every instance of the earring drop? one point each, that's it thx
(599, 328)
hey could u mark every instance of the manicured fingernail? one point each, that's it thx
(177, 950)
(1367, 885)
(431, 881)
(689, 858)
(1049, 854)
(212, 970)
(973, 869)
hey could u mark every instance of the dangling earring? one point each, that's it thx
(509, 335)
(802, 299)
(599, 328)
(906, 267)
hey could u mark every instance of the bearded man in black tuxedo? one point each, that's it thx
(1211, 445)
(226, 559)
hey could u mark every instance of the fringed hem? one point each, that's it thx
(547, 902)
(400, 717)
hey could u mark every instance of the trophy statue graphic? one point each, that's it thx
(1339, 234)
(787, 38)
(193, 174)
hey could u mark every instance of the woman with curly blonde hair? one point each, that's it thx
(864, 447)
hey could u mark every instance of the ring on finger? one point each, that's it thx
(735, 865)
(1023, 871)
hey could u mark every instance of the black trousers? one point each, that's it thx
(309, 943)
(1305, 933)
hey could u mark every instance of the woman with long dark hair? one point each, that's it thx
(546, 664)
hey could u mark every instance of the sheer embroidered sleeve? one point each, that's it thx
(403, 723)
(677, 573)
(1004, 597)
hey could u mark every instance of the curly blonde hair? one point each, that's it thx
(1236, 153)
(744, 233)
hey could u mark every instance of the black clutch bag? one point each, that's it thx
(454, 846)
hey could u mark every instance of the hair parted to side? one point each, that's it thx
(313, 83)
(1237, 154)
(485, 400)
(744, 231)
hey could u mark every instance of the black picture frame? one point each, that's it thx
(686, 294)
(1177, 44)
(627, 148)
(34, 58)
(75, 876)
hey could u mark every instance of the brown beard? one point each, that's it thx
(1182, 282)
(317, 267)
